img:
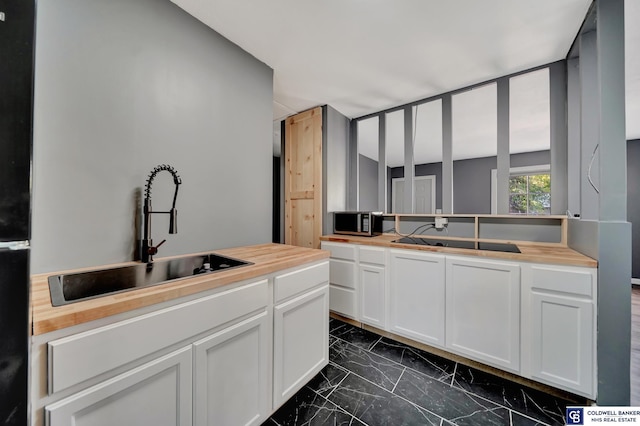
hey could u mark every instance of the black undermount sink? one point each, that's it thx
(70, 288)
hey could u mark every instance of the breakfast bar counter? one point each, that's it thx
(529, 251)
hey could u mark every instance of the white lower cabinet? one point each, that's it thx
(343, 298)
(157, 393)
(231, 383)
(372, 295)
(245, 349)
(559, 327)
(483, 311)
(417, 296)
(534, 320)
(301, 342)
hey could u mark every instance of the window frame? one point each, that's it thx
(540, 169)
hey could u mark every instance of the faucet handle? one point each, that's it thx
(154, 249)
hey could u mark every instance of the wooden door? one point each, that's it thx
(303, 179)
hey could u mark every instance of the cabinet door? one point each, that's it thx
(562, 341)
(157, 393)
(301, 342)
(483, 311)
(558, 326)
(416, 293)
(231, 379)
(372, 295)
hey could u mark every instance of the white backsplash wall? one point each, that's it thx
(122, 86)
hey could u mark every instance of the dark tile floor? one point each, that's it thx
(373, 380)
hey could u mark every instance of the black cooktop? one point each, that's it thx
(509, 248)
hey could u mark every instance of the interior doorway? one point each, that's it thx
(424, 194)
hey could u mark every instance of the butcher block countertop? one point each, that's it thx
(267, 258)
(529, 252)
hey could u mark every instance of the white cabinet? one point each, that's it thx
(300, 329)
(230, 356)
(231, 363)
(371, 271)
(301, 342)
(535, 320)
(343, 279)
(417, 295)
(483, 311)
(559, 307)
(157, 393)
(84, 356)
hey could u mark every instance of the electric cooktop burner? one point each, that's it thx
(509, 248)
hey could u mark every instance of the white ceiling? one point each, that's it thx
(365, 56)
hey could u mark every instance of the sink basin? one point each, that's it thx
(70, 288)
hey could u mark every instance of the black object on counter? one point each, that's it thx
(465, 244)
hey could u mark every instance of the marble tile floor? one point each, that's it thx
(375, 381)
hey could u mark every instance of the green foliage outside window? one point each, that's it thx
(530, 194)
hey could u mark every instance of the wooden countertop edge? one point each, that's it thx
(267, 259)
(535, 252)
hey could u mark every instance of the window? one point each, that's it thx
(529, 190)
(530, 194)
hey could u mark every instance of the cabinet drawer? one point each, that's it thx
(343, 301)
(340, 251)
(562, 279)
(301, 280)
(372, 255)
(83, 356)
(343, 273)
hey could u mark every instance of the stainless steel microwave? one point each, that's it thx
(365, 224)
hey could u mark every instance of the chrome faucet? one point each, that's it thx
(147, 248)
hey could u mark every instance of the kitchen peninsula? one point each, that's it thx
(530, 313)
(227, 347)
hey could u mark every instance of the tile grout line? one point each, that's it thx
(452, 384)
(326, 398)
(339, 407)
(430, 377)
(453, 377)
(372, 346)
(398, 381)
(336, 386)
(394, 394)
(393, 361)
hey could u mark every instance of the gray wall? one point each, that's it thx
(472, 185)
(335, 137)
(122, 86)
(633, 202)
(597, 95)
(471, 179)
(368, 188)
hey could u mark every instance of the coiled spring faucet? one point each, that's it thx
(148, 249)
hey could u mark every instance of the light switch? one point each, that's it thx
(2, 16)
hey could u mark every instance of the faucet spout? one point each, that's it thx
(147, 249)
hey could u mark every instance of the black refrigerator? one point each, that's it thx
(17, 22)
